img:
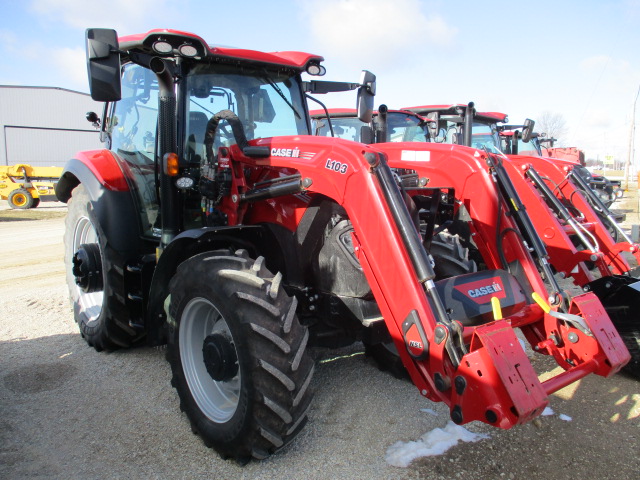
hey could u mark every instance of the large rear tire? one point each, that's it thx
(610, 228)
(630, 334)
(238, 354)
(101, 315)
(451, 259)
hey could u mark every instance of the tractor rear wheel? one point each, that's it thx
(99, 303)
(451, 259)
(238, 354)
(20, 199)
(630, 334)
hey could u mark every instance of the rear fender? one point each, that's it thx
(100, 174)
(96, 168)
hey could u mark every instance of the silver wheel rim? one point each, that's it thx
(218, 400)
(90, 303)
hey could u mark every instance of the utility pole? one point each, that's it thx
(632, 132)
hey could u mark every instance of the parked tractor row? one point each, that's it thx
(215, 221)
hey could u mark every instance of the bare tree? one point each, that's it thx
(553, 124)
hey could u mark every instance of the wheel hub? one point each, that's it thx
(87, 268)
(220, 357)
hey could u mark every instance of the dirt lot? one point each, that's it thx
(67, 412)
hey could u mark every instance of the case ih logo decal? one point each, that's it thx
(285, 152)
(336, 166)
(482, 290)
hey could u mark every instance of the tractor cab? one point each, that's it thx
(175, 78)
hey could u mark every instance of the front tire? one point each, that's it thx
(101, 315)
(20, 199)
(238, 354)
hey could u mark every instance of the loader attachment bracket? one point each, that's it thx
(498, 370)
(605, 347)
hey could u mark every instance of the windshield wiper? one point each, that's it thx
(277, 89)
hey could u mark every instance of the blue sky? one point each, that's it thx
(580, 59)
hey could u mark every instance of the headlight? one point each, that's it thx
(162, 47)
(185, 182)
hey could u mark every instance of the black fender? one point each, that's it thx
(256, 239)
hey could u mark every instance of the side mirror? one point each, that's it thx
(527, 130)
(366, 134)
(93, 118)
(103, 64)
(366, 92)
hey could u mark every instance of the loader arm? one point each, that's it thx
(560, 179)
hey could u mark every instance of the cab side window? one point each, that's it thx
(132, 127)
(133, 121)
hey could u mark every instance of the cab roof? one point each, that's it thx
(144, 43)
(457, 109)
(351, 112)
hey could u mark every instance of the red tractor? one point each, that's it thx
(573, 236)
(214, 221)
(608, 190)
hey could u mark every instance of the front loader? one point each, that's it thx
(483, 218)
(213, 221)
(580, 233)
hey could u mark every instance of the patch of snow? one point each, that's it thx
(564, 417)
(435, 442)
(429, 411)
(547, 411)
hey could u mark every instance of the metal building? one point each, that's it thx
(45, 126)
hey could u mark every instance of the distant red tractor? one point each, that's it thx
(214, 221)
(571, 229)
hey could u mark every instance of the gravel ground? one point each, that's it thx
(68, 412)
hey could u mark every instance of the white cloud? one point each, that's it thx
(599, 118)
(604, 64)
(377, 31)
(71, 62)
(14, 46)
(597, 62)
(8, 39)
(122, 15)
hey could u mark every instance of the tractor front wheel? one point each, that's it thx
(238, 354)
(20, 199)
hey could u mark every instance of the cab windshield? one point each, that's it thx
(400, 128)
(343, 127)
(267, 103)
(405, 128)
(530, 148)
(485, 137)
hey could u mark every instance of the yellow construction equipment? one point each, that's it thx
(24, 186)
